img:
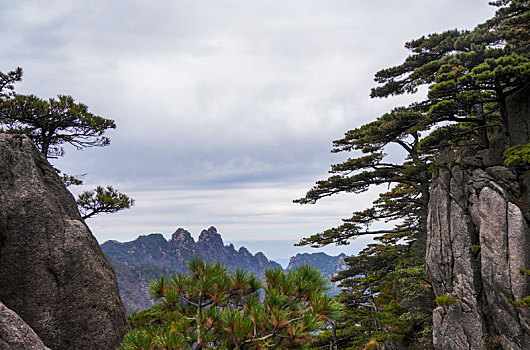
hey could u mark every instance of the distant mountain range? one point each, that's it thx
(148, 257)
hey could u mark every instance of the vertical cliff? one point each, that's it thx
(53, 273)
(478, 244)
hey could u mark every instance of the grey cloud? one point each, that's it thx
(218, 95)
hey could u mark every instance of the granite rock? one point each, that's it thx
(478, 240)
(53, 273)
(15, 334)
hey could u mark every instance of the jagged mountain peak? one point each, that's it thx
(182, 236)
(260, 255)
(210, 237)
(243, 250)
(152, 237)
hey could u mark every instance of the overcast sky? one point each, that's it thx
(226, 110)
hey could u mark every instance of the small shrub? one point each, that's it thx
(493, 343)
(445, 299)
(520, 303)
(434, 168)
(524, 271)
(517, 155)
(373, 345)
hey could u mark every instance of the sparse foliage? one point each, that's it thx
(7, 81)
(52, 123)
(102, 200)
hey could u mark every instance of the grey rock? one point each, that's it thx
(244, 251)
(210, 238)
(478, 239)
(506, 177)
(461, 153)
(492, 156)
(447, 155)
(472, 162)
(453, 271)
(15, 334)
(181, 236)
(54, 274)
(526, 205)
(501, 173)
(476, 210)
(518, 105)
(456, 329)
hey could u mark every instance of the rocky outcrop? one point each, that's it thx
(133, 281)
(477, 246)
(53, 273)
(15, 334)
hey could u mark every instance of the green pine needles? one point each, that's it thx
(211, 308)
(469, 76)
(445, 300)
(517, 156)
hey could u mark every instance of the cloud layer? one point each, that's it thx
(225, 109)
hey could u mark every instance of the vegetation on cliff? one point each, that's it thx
(152, 256)
(469, 75)
(52, 123)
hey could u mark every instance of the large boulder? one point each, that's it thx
(53, 273)
(15, 334)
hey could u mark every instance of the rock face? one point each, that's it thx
(15, 334)
(53, 273)
(478, 242)
(518, 106)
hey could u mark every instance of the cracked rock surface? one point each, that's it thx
(478, 241)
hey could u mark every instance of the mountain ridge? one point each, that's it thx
(150, 256)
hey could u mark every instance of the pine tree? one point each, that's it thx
(468, 75)
(210, 308)
(52, 123)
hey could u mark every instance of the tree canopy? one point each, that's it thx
(210, 308)
(7, 81)
(54, 122)
(51, 123)
(468, 75)
(102, 200)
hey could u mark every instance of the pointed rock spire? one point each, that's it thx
(210, 237)
(181, 236)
